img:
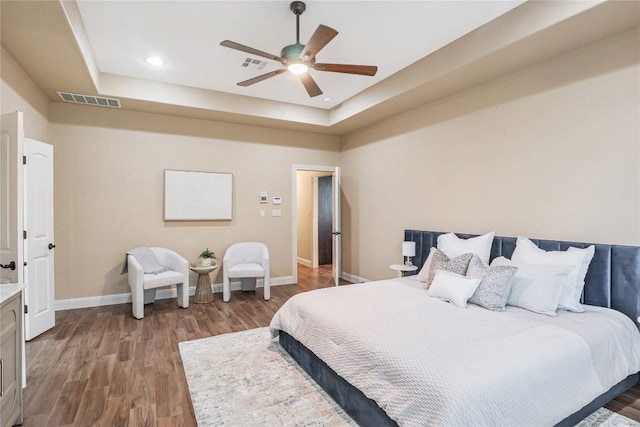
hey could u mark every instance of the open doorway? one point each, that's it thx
(316, 228)
(315, 218)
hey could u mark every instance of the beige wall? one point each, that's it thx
(19, 93)
(305, 214)
(551, 151)
(109, 189)
(108, 182)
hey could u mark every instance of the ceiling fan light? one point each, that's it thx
(154, 60)
(298, 68)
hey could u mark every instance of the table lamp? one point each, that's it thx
(408, 250)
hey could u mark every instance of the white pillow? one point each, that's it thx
(526, 251)
(536, 287)
(454, 246)
(589, 252)
(453, 288)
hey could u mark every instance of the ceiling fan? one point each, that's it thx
(299, 58)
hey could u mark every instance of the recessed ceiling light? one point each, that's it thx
(327, 99)
(154, 60)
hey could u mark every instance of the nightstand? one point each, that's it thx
(403, 269)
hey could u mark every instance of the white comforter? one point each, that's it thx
(426, 362)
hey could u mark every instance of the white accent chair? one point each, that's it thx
(144, 286)
(246, 261)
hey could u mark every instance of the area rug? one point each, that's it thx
(605, 418)
(246, 379)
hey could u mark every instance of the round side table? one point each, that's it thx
(402, 269)
(203, 294)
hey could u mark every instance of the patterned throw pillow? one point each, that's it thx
(437, 260)
(493, 291)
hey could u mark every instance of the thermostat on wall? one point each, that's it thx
(264, 198)
(277, 200)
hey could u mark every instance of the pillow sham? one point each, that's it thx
(536, 287)
(495, 285)
(453, 287)
(454, 246)
(437, 260)
(528, 252)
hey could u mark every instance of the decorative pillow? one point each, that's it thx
(454, 246)
(536, 287)
(437, 260)
(526, 251)
(453, 287)
(495, 286)
(589, 252)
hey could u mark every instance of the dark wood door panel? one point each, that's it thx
(325, 220)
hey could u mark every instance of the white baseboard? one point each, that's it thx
(304, 262)
(353, 278)
(71, 303)
(86, 302)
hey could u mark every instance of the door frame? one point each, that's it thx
(17, 118)
(294, 208)
(15, 154)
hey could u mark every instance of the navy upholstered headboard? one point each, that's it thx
(613, 279)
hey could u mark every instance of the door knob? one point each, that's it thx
(10, 266)
(51, 246)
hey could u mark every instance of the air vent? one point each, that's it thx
(98, 101)
(254, 63)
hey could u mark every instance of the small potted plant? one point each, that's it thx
(206, 257)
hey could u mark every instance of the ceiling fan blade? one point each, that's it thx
(365, 70)
(261, 77)
(247, 49)
(318, 40)
(310, 85)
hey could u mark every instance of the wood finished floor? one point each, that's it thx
(101, 367)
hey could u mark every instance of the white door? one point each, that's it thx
(11, 242)
(337, 230)
(39, 294)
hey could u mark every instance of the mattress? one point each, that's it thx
(425, 361)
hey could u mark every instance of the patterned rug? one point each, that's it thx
(245, 379)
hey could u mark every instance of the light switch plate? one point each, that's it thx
(276, 212)
(277, 200)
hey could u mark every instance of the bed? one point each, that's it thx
(471, 366)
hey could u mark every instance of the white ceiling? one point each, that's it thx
(425, 51)
(186, 34)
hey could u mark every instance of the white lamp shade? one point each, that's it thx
(408, 248)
